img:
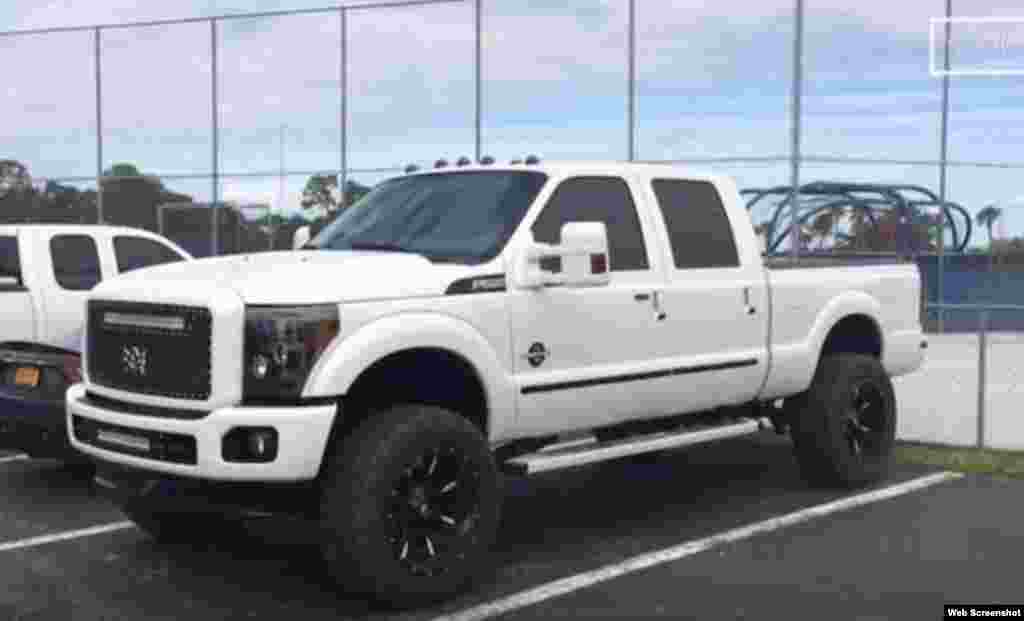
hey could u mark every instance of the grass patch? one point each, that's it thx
(969, 460)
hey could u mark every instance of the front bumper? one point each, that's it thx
(302, 431)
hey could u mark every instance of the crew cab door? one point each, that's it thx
(17, 310)
(715, 298)
(582, 355)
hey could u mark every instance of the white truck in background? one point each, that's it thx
(461, 322)
(46, 272)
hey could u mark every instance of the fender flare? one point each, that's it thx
(839, 308)
(346, 359)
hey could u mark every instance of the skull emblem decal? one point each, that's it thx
(135, 360)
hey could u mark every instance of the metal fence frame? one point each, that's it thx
(795, 158)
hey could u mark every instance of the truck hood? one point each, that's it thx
(299, 277)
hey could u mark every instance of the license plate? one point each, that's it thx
(26, 376)
(125, 440)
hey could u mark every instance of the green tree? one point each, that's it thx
(122, 170)
(14, 178)
(321, 191)
(986, 218)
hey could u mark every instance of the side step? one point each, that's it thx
(580, 452)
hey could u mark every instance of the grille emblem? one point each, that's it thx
(135, 360)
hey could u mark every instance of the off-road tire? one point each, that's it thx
(389, 529)
(826, 439)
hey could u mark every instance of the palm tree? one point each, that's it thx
(986, 218)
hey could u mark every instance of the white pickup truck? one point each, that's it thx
(46, 272)
(465, 321)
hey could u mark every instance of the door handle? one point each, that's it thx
(660, 313)
(655, 299)
(746, 301)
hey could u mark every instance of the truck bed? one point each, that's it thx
(888, 291)
(781, 262)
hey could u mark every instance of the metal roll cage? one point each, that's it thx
(871, 199)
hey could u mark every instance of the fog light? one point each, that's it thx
(250, 445)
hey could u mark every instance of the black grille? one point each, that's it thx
(168, 362)
(162, 446)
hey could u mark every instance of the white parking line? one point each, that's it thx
(33, 542)
(10, 458)
(567, 585)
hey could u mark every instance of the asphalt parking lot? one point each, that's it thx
(958, 540)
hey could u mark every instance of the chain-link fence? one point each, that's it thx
(227, 133)
(304, 110)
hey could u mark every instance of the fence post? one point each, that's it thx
(99, 125)
(796, 127)
(943, 161)
(215, 241)
(478, 79)
(631, 82)
(343, 108)
(982, 357)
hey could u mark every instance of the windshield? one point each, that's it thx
(464, 217)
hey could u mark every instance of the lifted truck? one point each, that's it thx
(461, 322)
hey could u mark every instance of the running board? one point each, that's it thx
(578, 453)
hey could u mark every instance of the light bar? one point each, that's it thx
(144, 321)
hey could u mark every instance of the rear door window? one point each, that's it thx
(76, 262)
(698, 227)
(10, 264)
(133, 253)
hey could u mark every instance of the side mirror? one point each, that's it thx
(582, 257)
(301, 236)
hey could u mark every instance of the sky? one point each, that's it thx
(714, 80)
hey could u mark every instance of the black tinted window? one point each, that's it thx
(138, 252)
(459, 216)
(76, 263)
(597, 199)
(10, 264)
(697, 224)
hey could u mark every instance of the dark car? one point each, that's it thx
(33, 381)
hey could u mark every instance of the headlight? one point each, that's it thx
(282, 343)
